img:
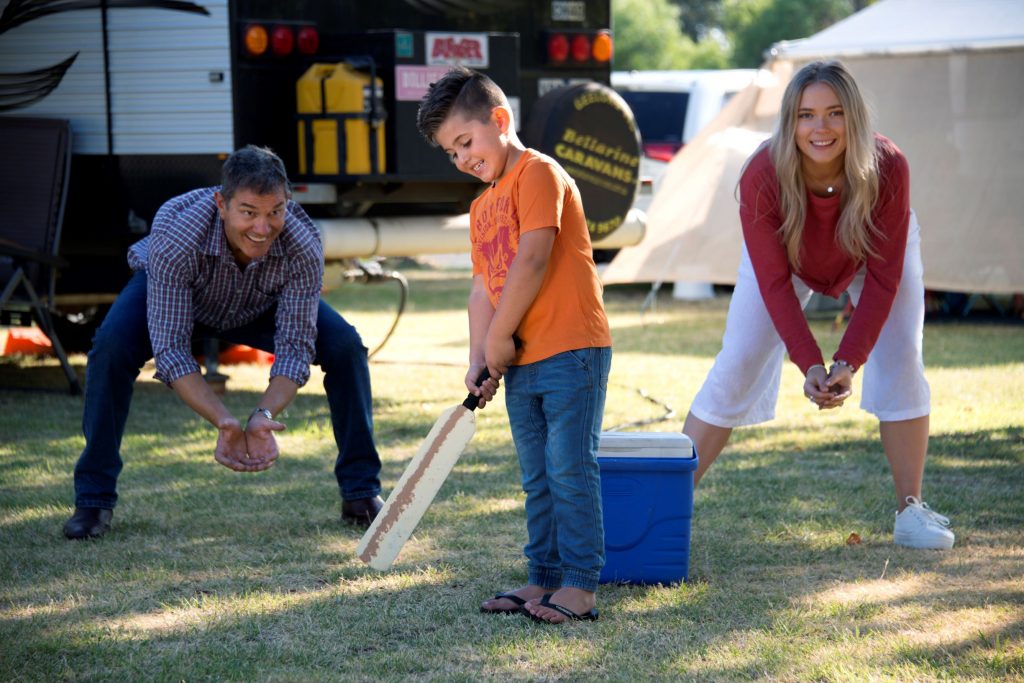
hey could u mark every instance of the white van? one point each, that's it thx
(671, 107)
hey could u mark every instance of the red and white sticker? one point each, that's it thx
(467, 49)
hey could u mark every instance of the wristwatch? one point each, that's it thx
(843, 363)
(260, 411)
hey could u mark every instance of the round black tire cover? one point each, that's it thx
(591, 132)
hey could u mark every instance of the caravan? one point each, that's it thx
(159, 93)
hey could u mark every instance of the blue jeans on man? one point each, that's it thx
(555, 407)
(121, 347)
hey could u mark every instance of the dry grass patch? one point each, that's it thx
(211, 575)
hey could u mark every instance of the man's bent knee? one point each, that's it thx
(114, 345)
(337, 339)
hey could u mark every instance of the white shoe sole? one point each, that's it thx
(930, 544)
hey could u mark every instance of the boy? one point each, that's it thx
(533, 277)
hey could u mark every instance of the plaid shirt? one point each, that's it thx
(194, 277)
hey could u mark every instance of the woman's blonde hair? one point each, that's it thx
(855, 228)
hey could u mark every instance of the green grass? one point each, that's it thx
(213, 575)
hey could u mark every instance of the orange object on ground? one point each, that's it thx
(27, 341)
(240, 353)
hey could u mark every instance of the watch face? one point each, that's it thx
(262, 411)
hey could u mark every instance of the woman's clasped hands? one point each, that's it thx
(829, 388)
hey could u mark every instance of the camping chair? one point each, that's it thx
(35, 162)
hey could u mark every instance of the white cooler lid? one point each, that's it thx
(645, 445)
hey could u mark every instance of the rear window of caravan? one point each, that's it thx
(660, 115)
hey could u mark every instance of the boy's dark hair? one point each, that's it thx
(256, 169)
(462, 90)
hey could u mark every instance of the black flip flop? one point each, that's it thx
(507, 596)
(546, 602)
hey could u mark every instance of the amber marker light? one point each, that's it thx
(256, 40)
(603, 48)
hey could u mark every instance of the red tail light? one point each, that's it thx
(661, 151)
(282, 41)
(309, 40)
(581, 48)
(558, 47)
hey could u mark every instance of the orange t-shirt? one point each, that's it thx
(568, 312)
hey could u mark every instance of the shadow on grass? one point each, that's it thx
(38, 374)
(277, 552)
(253, 576)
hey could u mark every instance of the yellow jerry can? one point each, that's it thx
(338, 89)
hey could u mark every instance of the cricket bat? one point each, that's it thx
(419, 483)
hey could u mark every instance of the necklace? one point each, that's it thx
(830, 190)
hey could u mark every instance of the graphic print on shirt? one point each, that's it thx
(498, 242)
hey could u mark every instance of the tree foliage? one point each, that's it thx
(648, 36)
(698, 17)
(709, 34)
(754, 25)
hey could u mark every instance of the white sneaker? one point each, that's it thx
(918, 526)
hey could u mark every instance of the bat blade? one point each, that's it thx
(417, 487)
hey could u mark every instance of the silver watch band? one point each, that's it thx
(260, 411)
(843, 363)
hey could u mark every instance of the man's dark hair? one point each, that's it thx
(256, 169)
(461, 90)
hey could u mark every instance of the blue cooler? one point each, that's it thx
(647, 493)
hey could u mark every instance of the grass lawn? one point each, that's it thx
(213, 575)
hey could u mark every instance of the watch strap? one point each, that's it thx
(260, 411)
(843, 363)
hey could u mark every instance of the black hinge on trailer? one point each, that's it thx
(106, 77)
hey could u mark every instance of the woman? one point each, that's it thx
(825, 207)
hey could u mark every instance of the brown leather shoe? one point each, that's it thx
(361, 512)
(88, 523)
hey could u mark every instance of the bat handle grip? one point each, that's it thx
(472, 400)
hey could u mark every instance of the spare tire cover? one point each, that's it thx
(591, 132)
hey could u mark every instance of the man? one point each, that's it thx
(245, 264)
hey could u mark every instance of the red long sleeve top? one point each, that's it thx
(824, 266)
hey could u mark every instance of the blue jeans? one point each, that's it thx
(121, 347)
(555, 407)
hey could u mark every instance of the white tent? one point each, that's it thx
(945, 79)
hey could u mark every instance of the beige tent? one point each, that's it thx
(945, 79)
